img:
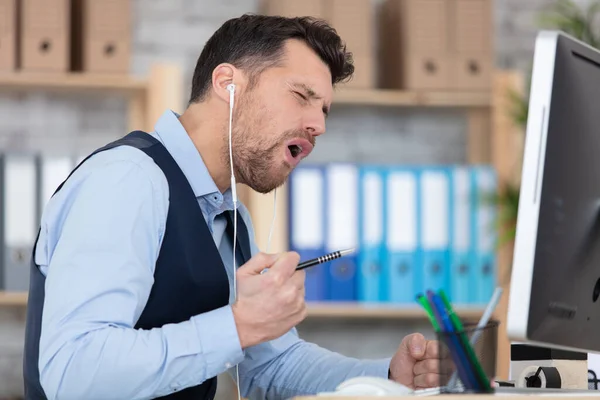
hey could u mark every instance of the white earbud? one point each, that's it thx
(231, 88)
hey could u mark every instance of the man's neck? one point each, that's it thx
(206, 124)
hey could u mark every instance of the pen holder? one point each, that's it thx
(468, 370)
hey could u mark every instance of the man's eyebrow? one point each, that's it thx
(311, 94)
(309, 91)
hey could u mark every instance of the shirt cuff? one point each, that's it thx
(377, 368)
(219, 340)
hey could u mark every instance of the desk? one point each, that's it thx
(452, 397)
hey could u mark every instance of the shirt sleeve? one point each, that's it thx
(103, 234)
(289, 366)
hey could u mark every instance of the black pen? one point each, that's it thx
(324, 259)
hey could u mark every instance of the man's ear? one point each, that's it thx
(223, 75)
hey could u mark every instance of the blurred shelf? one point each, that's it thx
(320, 310)
(72, 81)
(379, 311)
(399, 98)
(13, 298)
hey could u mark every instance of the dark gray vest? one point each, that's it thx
(189, 277)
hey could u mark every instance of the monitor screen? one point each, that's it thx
(555, 283)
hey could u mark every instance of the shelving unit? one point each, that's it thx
(147, 97)
(379, 311)
(490, 139)
(401, 98)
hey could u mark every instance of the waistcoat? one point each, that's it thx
(189, 275)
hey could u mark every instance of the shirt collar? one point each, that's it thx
(173, 136)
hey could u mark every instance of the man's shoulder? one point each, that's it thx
(122, 162)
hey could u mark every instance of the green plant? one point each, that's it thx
(574, 20)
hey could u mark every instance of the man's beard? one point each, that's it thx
(256, 166)
(257, 161)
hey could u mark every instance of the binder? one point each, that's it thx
(101, 40)
(353, 20)
(462, 237)
(472, 44)
(307, 225)
(372, 267)
(403, 206)
(19, 214)
(415, 50)
(8, 35)
(54, 171)
(294, 8)
(435, 228)
(45, 35)
(341, 218)
(485, 182)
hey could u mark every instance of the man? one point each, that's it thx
(132, 292)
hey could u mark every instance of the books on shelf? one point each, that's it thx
(414, 228)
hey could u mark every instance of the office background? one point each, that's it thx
(56, 124)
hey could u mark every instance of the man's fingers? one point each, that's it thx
(258, 263)
(432, 350)
(427, 380)
(432, 365)
(426, 366)
(286, 264)
(298, 279)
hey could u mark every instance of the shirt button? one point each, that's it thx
(227, 365)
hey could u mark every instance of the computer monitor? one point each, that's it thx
(555, 283)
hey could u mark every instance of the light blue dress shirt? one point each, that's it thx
(100, 237)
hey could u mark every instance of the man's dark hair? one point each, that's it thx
(256, 42)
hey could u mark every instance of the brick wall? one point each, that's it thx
(67, 124)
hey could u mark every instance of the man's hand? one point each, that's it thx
(270, 304)
(416, 363)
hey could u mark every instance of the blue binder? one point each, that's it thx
(402, 235)
(341, 229)
(435, 228)
(306, 218)
(372, 271)
(462, 237)
(485, 183)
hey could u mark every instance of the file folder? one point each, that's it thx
(54, 171)
(342, 229)
(416, 52)
(372, 269)
(8, 35)
(485, 181)
(45, 35)
(101, 36)
(435, 233)
(294, 8)
(307, 225)
(472, 50)
(402, 235)
(19, 217)
(462, 238)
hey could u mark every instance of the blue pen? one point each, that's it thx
(460, 360)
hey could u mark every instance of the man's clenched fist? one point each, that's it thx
(416, 363)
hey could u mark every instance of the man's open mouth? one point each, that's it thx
(295, 150)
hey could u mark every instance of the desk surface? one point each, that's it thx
(458, 397)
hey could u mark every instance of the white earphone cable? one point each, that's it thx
(273, 220)
(231, 89)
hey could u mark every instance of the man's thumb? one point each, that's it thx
(258, 263)
(414, 346)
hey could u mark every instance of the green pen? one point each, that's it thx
(425, 303)
(458, 326)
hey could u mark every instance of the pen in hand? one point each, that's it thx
(324, 259)
(320, 260)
